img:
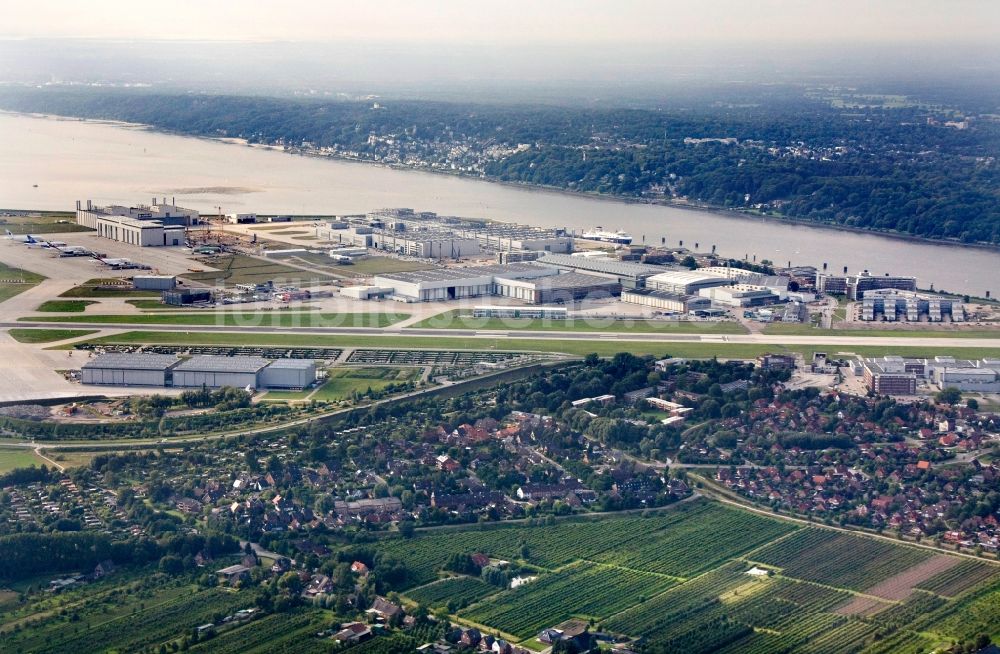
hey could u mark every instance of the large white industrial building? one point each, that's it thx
(685, 282)
(141, 369)
(628, 274)
(455, 283)
(557, 289)
(664, 301)
(154, 225)
(128, 369)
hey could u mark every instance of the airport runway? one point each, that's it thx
(645, 337)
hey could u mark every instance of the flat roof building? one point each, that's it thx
(141, 233)
(685, 282)
(629, 275)
(557, 289)
(217, 371)
(166, 214)
(455, 283)
(292, 374)
(740, 295)
(889, 377)
(129, 369)
(665, 301)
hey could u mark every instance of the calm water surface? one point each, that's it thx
(73, 160)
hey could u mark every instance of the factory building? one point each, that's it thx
(892, 305)
(428, 244)
(292, 374)
(557, 289)
(455, 283)
(740, 295)
(855, 286)
(141, 233)
(127, 369)
(664, 301)
(888, 376)
(217, 371)
(982, 376)
(629, 275)
(685, 282)
(165, 214)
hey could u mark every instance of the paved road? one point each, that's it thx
(750, 339)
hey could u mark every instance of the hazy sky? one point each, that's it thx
(497, 22)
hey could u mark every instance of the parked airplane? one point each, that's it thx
(27, 239)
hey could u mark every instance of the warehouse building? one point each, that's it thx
(292, 374)
(557, 289)
(455, 283)
(129, 369)
(629, 275)
(685, 282)
(665, 301)
(218, 371)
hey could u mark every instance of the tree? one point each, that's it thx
(972, 403)
(949, 395)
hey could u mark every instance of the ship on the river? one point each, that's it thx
(600, 234)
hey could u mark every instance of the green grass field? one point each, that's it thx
(923, 332)
(46, 335)
(241, 269)
(14, 281)
(578, 347)
(236, 319)
(102, 287)
(19, 458)
(65, 306)
(454, 320)
(343, 383)
(42, 222)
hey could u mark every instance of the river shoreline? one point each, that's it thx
(534, 188)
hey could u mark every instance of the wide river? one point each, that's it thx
(50, 163)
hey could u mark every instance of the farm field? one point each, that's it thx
(679, 579)
(455, 320)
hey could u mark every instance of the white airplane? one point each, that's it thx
(27, 239)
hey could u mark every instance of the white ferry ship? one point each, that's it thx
(600, 234)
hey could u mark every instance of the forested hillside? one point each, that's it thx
(905, 167)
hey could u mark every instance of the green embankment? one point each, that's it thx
(455, 320)
(236, 319)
